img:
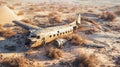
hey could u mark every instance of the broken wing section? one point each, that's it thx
(25, 26)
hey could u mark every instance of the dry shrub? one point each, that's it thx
(117, 12)
(18, 62)
(6, 32)
(54, 53)
(17, 4)
(70, 19)
(31, 8)
(52, 6)
(55, 19)
(90, 10)
(20, 13)
(9, 63)
(3, 2)
(11, 6)
(41, 9)
(73, 9)
(62, 8)
(28, 21)
(108, 16)
(1, 26)
(75, 39)
(92, 22)
(52, 14)
(91, 31)
(13, 62)
(113, 27)
(84, 60)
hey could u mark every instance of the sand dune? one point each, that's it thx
(6, 15)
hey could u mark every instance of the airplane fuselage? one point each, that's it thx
(39, 36)
(49, 34)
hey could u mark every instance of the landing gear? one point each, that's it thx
(44, 44)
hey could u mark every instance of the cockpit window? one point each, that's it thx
(38, 37)
(33, 36)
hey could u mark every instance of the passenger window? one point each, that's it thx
(38, 37)
(50, 36)
(43, 38)
(75, 27)
(54, 35)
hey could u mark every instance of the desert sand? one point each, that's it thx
(104, 43)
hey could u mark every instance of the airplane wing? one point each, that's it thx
(25, 25)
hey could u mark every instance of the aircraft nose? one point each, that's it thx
(32, 39)
(28, 41)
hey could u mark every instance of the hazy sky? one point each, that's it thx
(84, 2)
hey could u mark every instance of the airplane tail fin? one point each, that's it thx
(78, 19)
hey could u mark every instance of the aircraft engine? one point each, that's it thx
(60, 42)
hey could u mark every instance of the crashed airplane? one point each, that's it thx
(40, 36)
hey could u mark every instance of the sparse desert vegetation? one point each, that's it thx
(108, 16)
(98, 27)
(84, 60)
(11, 6)
(20, 13)
(54, 53)
(13, 62)
(55, 19)
(75, 39)
(17, 62)
(6, 32)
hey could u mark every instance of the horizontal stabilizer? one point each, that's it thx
(25, 25)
